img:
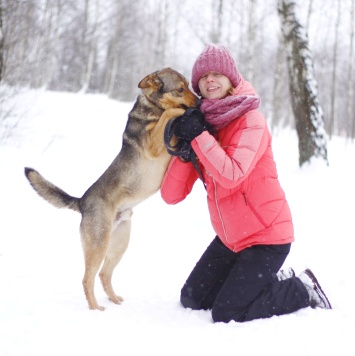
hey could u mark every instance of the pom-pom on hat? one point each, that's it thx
(214, 58)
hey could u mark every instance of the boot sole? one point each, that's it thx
(318, 288)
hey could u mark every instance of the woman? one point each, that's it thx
(238, 276)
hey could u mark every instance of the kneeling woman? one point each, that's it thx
(238, 275)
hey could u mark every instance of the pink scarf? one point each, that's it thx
(220, 112)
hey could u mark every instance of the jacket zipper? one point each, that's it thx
(219, 212)
(255, 212)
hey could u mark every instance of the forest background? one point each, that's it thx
(51, 47)
(108, 46)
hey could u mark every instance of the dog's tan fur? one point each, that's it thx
(134, 175)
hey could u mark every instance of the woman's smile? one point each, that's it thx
(214, 85)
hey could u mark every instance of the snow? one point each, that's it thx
(71, 139)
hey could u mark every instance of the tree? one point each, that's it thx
(307, 111)
(1, 43)
(278, 92)
(112, 56)
(351, 119)
(334, 74)
(216, 31)
(89, 42)
(251, 57)
(107, 46)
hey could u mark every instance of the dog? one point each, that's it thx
(133, 176)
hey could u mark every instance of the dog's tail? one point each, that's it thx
(48, 191)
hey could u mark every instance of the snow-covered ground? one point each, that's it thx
(71, 139)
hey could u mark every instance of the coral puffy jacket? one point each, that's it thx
(246, 202)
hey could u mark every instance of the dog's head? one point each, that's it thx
(168, 89)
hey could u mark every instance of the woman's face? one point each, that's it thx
(214, 85)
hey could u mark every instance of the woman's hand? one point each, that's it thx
(190, 125)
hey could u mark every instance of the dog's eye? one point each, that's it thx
(180, 90)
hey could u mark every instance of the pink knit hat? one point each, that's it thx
(215, 58)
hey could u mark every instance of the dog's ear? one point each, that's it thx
(151, 80)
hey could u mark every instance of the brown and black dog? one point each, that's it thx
(134, 175)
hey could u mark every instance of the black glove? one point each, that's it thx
(186, 151)
(190, 125)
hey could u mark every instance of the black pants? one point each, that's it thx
(243, 286)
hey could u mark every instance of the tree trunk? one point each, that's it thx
(278, 89)
(310, 9)
(334, 76)
(308, 114)
(251, 43)
(1, 43)
(351, 118)
(112, 63)
(55, 44)
(216, 32)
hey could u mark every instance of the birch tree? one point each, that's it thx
(278, 89)
(112, 57)
(89, 42)
(251, 42)
(307, 111)
(1, 43)
(333, 101)
(351, 118)
(48, 43)
(216, 31)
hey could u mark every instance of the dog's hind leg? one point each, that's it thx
(118, 245)
(95, 237)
